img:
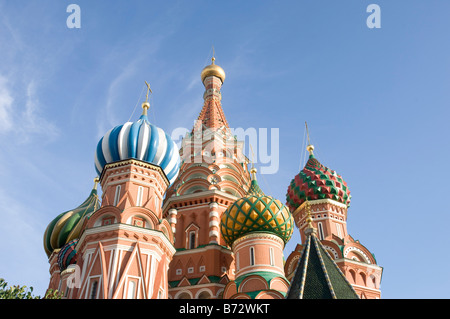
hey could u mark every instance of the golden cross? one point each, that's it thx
(148, 90)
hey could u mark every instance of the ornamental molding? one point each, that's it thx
(130, 232)
(318, 202)
(204, 198)
(258, 235)
(359, 252)
(204, 249)
(136, 163)
(361, 264)
(332, 251)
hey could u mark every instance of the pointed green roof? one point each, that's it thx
(317, 276)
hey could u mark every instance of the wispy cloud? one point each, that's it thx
(23, 124)
(6, 101)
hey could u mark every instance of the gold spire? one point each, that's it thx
(146, 104)
(309, 148)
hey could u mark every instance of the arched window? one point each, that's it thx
(117, 195)
(252, 256)
(271, 256)
(321, 237)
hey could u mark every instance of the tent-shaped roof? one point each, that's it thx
(317, 276)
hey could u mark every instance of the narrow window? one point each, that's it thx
(192, 240)
(156, 201)
(94, 290)
(252, 256)
(237, 261)
(131, 294)
(271, 256)
(139, 196)
(117, 195)
(320, 231)
(338, 227)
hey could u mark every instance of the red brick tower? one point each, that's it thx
(213, 175)
(328, 197)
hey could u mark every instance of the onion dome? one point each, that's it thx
(68, 225)
(67, 255)
(256, 212)
(316, 181)
(139, 140)
(213, 69)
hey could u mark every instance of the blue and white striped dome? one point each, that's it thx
(142, 141)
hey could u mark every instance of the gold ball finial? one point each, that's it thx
(145, 107)
(253, 172)
(310, 149)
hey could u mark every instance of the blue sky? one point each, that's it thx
(376, 102)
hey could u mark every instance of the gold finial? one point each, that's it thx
(146, 104)
(309, 148)
(253, 171)
(213, 55)
(96, 181)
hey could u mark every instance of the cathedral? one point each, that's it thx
(192, 222)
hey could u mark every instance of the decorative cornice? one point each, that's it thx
(125, 227)
(213, 195)
(137, 163)
(203, 249)
(264, 235)
(318, 202)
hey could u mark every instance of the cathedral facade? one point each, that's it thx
(193, 223)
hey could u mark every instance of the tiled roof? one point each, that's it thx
(317, 276)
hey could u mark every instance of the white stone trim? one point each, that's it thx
(360, 252)
(213, 214)
(214, 223)
(213, 233)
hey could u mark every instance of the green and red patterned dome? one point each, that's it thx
(256, 212)
(315, 181)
